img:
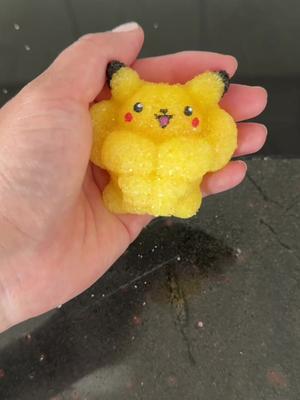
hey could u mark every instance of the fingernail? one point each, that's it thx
(263, 127)
(242, 163)
(232, 60)
(262, 89)
(129, 26)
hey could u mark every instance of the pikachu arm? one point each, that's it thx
(220, 131)
(185, 158)
(126, 153)
(103, 116)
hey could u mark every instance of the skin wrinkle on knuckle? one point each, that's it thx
(15, 234)
(12, 189)
(37, 105)
(31, 97)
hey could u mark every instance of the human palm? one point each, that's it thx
(56, 237)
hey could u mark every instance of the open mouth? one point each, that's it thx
(163, 119)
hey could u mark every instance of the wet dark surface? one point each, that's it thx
(206, 308)
(263, 35)
(201, 309)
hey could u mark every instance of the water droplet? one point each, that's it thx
(31, 376)
(142, 383)
(16, 26)
(4, 91)
(103, 295)
(28, 337)
(132, 337)
(92, 295)
(135, 286)
(178, 258)
(137, 321)
(168, 222)
(27, 47)
(140, 255)
(172, 381)
(42, 357)
(200, 324)
(144, 304)
(129, 385)
(155, 25)
(59, 306)
(238, 252)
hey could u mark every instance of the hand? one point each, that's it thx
(56, 238)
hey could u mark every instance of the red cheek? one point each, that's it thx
(128, 117)
(195, 122)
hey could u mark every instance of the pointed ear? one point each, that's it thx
(123, 81)
(209, 87)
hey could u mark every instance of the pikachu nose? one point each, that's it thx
(163, 110)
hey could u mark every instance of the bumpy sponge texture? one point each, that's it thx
(157, 141)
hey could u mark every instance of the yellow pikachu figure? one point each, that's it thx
(157, 141)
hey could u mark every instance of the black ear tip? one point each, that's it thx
(112, 68)
(225, 78)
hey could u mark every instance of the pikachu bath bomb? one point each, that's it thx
(157, 141)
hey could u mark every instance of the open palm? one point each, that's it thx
(56, 237)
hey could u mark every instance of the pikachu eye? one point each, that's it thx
(138, 107)
(188, 111)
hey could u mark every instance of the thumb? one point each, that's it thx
(79, 72)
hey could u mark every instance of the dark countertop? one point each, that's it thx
(206, 308)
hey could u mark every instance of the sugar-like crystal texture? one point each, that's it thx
(157, 141)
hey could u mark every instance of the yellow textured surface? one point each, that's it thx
(156, 154)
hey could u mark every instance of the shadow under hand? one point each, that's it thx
(95, 329)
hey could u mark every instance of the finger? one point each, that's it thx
(179, 67)
(244, 102)
(79, 72)
(183, 66)
(251, 138)
(225, 179)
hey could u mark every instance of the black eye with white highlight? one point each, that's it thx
(188, 111)
(138, 107)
